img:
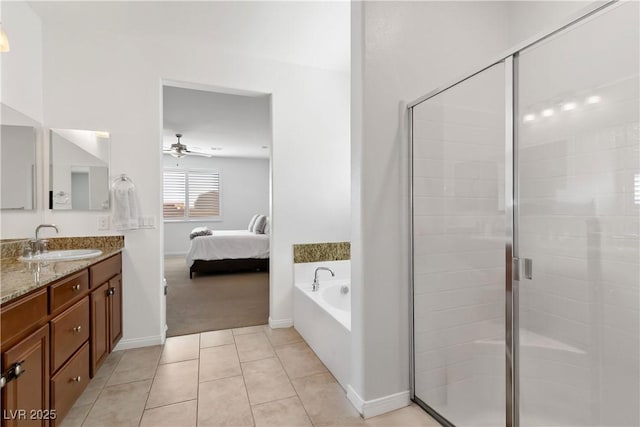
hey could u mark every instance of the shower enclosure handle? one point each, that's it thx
(528, 268)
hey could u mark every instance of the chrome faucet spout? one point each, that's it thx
(45, 226)
(39, 243)
(316, 285)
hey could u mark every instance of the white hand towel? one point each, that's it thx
(125, 207)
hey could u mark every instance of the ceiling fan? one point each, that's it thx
(180, 150)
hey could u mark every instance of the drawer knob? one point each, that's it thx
(76, 379)
(17, 370)
(75, 288)
(77, 329)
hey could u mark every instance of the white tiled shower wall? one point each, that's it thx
(579, 176)
(459, 231)
(579, 222)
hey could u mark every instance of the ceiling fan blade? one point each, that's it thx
(195, 153)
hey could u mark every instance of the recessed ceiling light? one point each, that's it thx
(529, 118)
(569, 106)
(548, 112)
(593, 99)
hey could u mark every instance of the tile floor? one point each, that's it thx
(252, 376)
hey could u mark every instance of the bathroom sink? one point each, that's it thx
(64, 255)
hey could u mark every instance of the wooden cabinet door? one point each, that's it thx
(25, 400)
(115, 320)
(99, 326)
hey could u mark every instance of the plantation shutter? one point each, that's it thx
(204, 194)
(191, 194)
(173, 206)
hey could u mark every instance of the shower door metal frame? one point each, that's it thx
(512, 267)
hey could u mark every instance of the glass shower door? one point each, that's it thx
(578, 221)
(459, 250)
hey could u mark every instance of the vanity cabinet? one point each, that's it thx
(54, 339)
(25, 400)
(99, 326)
(106, 309)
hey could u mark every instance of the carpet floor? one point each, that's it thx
(213, 302)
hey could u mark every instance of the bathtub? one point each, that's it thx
(323, 318)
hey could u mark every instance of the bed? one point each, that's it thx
(228, 251)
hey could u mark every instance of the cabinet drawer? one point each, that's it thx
(69, 383)
(68, 290)
(23, 315)
(68, 331)
(105, 270)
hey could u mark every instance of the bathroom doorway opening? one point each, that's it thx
(216, 207)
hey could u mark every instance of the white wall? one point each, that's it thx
(244, 185)
(529, 18)
(21, 97)
(104, 68)
(22, 65)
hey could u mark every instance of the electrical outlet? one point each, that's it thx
(103, 222)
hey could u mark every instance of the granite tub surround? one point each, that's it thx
(317, 252)
(19, 278)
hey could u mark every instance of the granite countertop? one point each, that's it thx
(18, 278)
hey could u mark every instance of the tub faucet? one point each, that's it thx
(316, 284)
(37, 243)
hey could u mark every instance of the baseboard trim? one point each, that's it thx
(379, 406)
(126, 344)
(175, 253)
(280, 323)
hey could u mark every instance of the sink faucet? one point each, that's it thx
(38, 242)
(316, 284)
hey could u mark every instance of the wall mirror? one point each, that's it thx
(17, 167)
(79, 170)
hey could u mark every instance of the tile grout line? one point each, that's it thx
(198, 377)
(246, 390)
(153, 381)
(101, 390)
(291, 382)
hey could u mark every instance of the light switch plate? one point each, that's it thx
(147, 222)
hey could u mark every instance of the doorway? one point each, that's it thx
(216, 208)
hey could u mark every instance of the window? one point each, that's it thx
(191, 194)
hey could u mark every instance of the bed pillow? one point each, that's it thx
(261, 222)
(200, 231)
(267, 227)
(253, 222)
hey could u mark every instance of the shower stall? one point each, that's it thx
(525, 233)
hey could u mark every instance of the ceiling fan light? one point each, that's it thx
(177, 154)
